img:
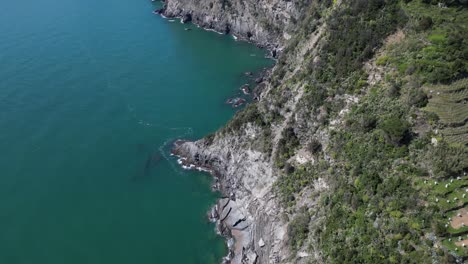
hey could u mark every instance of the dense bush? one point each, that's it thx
(298, 229)
(437, 49)
(396, 130)
(355, 31)
(248, 115)
(286, 146)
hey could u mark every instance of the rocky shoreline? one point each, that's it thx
(186, 16)
(247, 215)
(228, 214)
(217, 213)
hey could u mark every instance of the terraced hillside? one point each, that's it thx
(450, 196)
(450, 104)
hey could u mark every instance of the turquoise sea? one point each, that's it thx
(91, 95)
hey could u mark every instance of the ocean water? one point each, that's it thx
(91, 95)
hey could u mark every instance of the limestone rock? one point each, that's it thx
(261, 243)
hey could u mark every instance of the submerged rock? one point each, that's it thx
(236, 102)
(158, 11)
(239, 102)
(245, 89)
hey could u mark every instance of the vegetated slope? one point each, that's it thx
(363, 122)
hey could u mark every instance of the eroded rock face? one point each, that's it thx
(264, 22)
(249, 213)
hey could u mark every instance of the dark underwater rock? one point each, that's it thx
(186, 18)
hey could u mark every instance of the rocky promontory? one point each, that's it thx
(248, 215)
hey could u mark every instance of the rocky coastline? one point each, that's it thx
(269, 32)
(229, 214)
(248, 215)
(307, 171)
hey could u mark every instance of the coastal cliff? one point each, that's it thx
(333, 163)
(266, 23)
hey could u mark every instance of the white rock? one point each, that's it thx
(261, 243)
(251, 257)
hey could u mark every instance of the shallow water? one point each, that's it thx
(91, 93)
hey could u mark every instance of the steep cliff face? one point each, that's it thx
(266, 22)
(249, 213)
(241, 157)
(333, 163)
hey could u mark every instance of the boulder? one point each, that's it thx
(239, 102)
(245, 89)
(261, 243)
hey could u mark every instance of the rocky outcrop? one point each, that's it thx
(248, 214)
(267, 23)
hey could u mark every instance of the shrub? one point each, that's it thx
(395, 129)
(425, 23)
(298, 229)
(314, 146)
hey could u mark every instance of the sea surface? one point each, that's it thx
(92, 93)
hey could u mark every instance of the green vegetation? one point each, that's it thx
(298, 229)
(436, 50)
(457, 135)
(406, 131)
(354, 32)
(286, 146)
(249, 115)
(449, 103)
(381, 161)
